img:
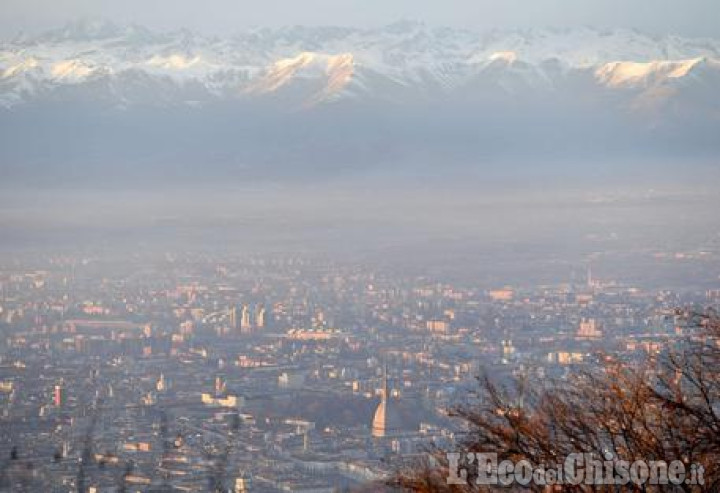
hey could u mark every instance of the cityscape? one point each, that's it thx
(219, 372)
(359, 246)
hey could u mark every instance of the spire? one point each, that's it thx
(385, 383)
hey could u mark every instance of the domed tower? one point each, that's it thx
(386, 421)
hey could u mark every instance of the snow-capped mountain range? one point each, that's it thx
(405, 62)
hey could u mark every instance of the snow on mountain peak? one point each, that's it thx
(631, 74)
(73, 70)
(174, 61)
(395, 62)
(333, 71)
(20, 67)
(506, 56)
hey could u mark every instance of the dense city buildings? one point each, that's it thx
(319, 246)
(276, 373)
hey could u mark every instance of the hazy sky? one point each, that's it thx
(686, 17)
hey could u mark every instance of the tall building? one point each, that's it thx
(161, 385)
(260, 317)
(58, 395)
(232, 315)
(386, 421)
(245, 319)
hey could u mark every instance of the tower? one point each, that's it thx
(232, 315)
(245, 319)
(260, 317)
(58, 396)
(161, 386)
(386, 421)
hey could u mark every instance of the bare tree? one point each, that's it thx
(665, 409)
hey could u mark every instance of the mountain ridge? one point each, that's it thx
(401, 62)
(102, 104)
